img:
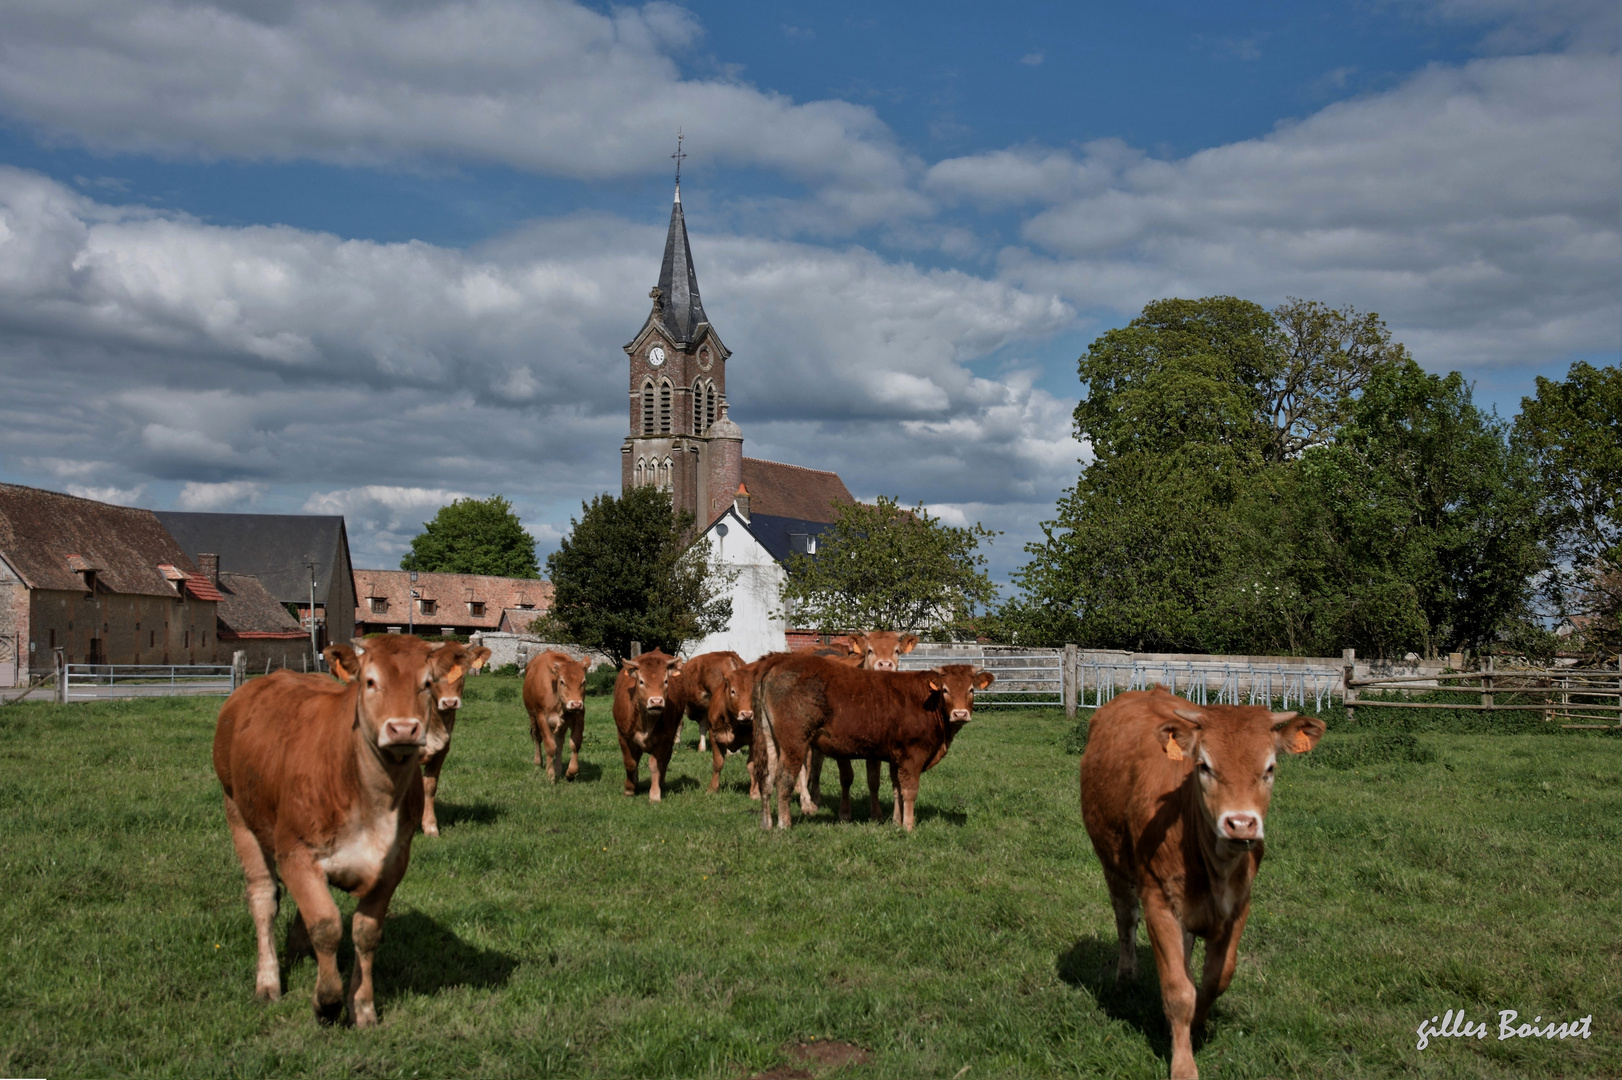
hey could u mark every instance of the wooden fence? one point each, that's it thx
(1591, 698)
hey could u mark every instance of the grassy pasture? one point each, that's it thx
(569, 931)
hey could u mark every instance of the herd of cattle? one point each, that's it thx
(326, 781)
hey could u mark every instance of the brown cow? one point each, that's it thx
(322, 787)
(555, 697)
(1174, 795)
(703, 680)
(906, 718)
(734, 725)
(876, 650)
(447, 695)
(647, 711)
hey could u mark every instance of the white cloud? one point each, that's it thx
(1032, 59)
(544, 85)
(383, 518)
(118, 496)
(230, 495)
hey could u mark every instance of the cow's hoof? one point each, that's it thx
(330, 1012)
(430, 829)
(268, 991)
(363, 1014)
(654, 797)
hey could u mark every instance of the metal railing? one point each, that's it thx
(1031, 678)
(1097, 681)
(95, 682)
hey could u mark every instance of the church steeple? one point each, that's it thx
(678, 284)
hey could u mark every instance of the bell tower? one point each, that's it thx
(678, 389)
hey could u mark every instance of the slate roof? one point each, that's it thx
(783, 536)
(41, 531)
(247, 610)
(678, 283)
(789, 491)
(453, 592)
(271, 547)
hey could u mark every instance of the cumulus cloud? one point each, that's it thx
(544, 85)
(130, 496)
(231, 495)
(384, 517)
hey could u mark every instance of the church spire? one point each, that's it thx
(678, 284)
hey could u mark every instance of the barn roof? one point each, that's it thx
(790, 491)
(272, 547)
(48, 538)
(248, 610)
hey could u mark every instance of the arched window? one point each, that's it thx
(698, 407)
(709, 404)
(664, 407)
(664, 475)
(647, 408)
(639, 473)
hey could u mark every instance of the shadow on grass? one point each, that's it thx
(419, 956)
(588, 773)
(1089, 965)
(451, 814)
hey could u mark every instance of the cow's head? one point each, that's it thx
(881, 650)
(1232, 751)
(651, 677)
(568, 682)
(954, 685)
(394, 674)
(462, 660)
(739, 701)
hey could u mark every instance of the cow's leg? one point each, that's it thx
(768, 763)
(704, 740)
(1176, 988)
(430, 784)
(895, 792)
(326, 930)
(546, 755)
(907, 793)
(1221, 957)
(1124, 898)
(262, 901)
(536, 735)
(847, 774)
(658, 762)
(367, 930)
(791, 761)
(577, 728)
(718, 760)
(1188, 953)
(633, 765)
(813, 783)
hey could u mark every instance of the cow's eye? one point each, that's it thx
(1205, 768)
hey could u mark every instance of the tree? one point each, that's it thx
(474, 536)
(882, 566)
(626, 573)
(1573, 432)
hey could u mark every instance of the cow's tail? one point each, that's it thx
(763, 748)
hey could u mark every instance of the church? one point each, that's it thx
(754, 513)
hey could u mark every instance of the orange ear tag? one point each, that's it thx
(454, 673)
(1174, 751)
(1300, 744)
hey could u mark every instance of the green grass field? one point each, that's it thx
(569, 931)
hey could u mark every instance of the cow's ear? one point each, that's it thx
(629, 664)
(358, 644)
(449, 661)
(1295, 734)
(343, 660)
(1179, 734)
(857, 645)
(478, 657)
(983, 679)
(674, 669)
(908, 643)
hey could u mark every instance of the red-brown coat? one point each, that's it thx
(876, 650)
(322, 787)
(1174, 796)
(703, 680)
(647, 712)
(905, 718)
(447, 697)
(555, 697)
(734, 729)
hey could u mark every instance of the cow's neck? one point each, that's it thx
(385, 779)
(1223, 862)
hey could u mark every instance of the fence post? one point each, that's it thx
(1348, 693)
(1067, 680)
(1486, 684)
(239, 668)
(61, 676)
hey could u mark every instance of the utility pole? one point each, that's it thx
(411, 606)
(315, 648)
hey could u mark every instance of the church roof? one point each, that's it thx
(678, 283)
(789, 491)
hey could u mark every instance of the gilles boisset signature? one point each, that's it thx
(1455, 1026)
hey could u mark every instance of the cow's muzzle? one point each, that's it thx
(450, 701)
(400, 732)
(960, 716)
(1240, 825)
(573, 706)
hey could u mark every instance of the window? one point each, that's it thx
(475, 608)
(703, 406)
(709, 405)
(380, 605)
(647, 408)
(639, 474)
(664, 407)
(426, 606)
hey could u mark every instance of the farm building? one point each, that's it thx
(251, 621)
(681, 439)
(103, 584)
(447, 603)
(279, 549)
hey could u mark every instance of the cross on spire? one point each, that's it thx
(678, 155)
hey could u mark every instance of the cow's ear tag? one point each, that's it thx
(1174, 751)
(454, 673)
(1301, 743)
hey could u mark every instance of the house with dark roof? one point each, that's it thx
(252, 622)
(683, 440)
(391, 602)
(101, 584)
(280, 551)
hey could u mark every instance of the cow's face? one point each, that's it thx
(395, 674)
(881, 650)
(1234, 752)
(569, 684)
(954, 685)
(740, 704)
(446, 692)
(653, 673)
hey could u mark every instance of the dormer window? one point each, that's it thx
(475, 608)
(380, 605)
(426, 606)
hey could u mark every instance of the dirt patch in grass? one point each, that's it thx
(822, 1055)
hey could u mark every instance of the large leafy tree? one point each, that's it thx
(627, 572)
(474, 536)
(882, 566)
(1572, 430)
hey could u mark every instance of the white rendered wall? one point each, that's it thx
(757, 626)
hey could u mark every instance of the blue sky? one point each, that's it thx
(361, 258)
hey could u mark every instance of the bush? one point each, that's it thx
(1389, 748)
(600, 680)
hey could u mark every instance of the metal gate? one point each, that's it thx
(96, 682)
(1023, 678)
(1097, 681)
